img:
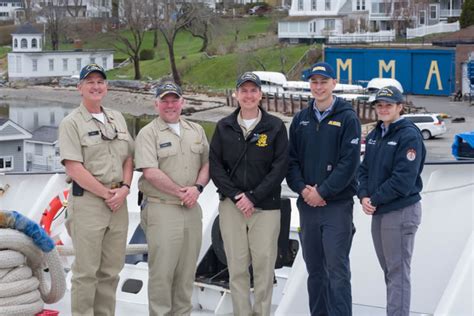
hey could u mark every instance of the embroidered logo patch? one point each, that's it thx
(304, 123)
(262, 140)
(372, 142)
(392, 143)
(355, 141)
(411, 154)
(334, 123)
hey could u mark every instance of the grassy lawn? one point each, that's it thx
(4, 51)
(218, 71)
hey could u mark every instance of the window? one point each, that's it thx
(34, 43)
(360, 5)
(313, 5)
(51, 64)
(39, 149)
(15, 43)
(64, 64)
(330, 24)
(300, 5)
(78, 64)
(6, 163)
(422, 17)
(92, 60)
(104, 62)
(433, 12)
(3, 13)
(34, 65)
(327, 5)
(24, 43)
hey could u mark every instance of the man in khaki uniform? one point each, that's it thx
(96, 150)
(173, 155)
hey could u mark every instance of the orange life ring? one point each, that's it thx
(59, 202)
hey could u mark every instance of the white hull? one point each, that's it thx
(442, 266)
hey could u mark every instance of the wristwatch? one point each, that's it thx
(199, 187)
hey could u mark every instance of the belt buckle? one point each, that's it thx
(115, 185)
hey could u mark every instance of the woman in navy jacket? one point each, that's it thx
(389, 189)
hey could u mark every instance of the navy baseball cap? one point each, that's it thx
(389, 94)
(167, 88)
(249, 76)
(90, 69)
(322, 69)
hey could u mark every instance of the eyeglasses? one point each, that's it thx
(107, 131)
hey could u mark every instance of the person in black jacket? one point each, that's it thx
(248, 161)
(324, 156)
(389, 189)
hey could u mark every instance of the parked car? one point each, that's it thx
(430, 124)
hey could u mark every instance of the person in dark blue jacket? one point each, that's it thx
(389, 189)
(323, 158)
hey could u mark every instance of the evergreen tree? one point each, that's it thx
(467, 14)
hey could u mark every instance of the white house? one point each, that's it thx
(29, 61)
(10, 9)
(312, 20)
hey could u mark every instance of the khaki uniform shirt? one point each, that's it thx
(179, 157)
(83, 138)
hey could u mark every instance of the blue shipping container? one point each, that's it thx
(420, 71)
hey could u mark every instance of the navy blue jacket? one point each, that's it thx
(325, 153)
(390, 172)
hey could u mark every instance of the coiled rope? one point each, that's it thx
(24, 254)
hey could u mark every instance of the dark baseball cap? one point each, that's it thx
(322, 69)
(249, 76)
(90, 69)
(167, 88)
(389, 94)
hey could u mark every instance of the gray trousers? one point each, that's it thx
(393, 235)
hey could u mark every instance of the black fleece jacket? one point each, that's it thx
(260, 161)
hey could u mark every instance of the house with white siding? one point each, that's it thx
(317, 20)
(10, 9)
(28, 60)
(12, 146)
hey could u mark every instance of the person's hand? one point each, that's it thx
(244, 205)
(189, 196)
(312, 197)
(367, 206)
(116, 198)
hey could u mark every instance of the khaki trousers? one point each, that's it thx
(99, 238)
(174, 235)
(248, 241)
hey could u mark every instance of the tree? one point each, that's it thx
(135, 18)
(54, 14)
(28, 9)
(467, 14)
(174, 19)
(73, 7)
(202, 24)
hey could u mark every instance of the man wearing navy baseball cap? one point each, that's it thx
(324, 156)
(97, 152)
(173, 155)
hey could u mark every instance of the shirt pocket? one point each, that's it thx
(95, 152)
(197, 149)
(122, 145)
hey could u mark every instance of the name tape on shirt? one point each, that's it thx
(164, 145)
(334, 123)
(392, 143)
(93, 133)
